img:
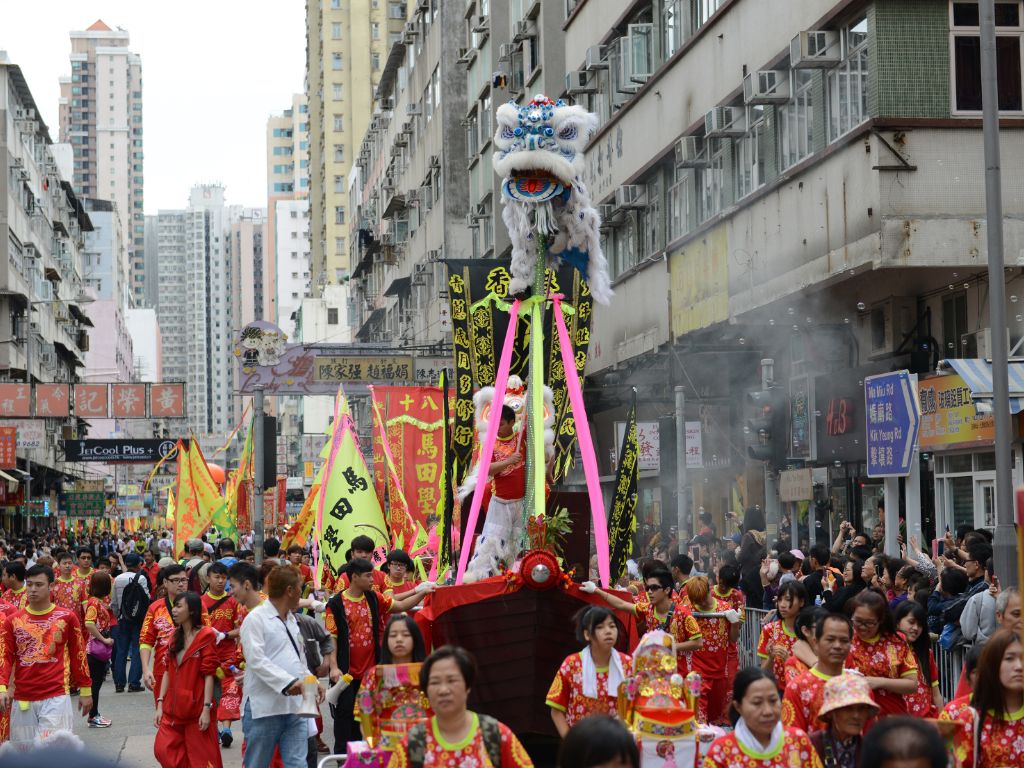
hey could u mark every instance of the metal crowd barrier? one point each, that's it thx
(949, 663)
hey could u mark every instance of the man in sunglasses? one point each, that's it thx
(658, 610)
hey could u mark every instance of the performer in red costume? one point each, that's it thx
(42, 645)
(225, 618)
(187, 737)
(158, 627)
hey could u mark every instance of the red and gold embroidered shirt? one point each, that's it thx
(802, 701)
(884, 656)
(468, 753)
(18, 597)
(362, 654)
(711, 658)
(46, 653)
(773, 634)
(920, 702)
(795, 751)
(225, 617)
(68, 593)
(792, 669)
(566, 692)
(98, 612)
(682, 626)
(157, 631)
(1002, 740)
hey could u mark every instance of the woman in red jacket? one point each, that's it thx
(185, 704)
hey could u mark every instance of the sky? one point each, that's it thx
(213, 71)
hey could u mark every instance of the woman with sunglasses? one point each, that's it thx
(658, 611)
(881, 654)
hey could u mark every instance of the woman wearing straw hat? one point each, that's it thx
(846, 707)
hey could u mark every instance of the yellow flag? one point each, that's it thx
(303, 524)
(170, 508)
(348, 505)
(196, 495)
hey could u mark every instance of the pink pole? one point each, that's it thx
(487, 449)
(590, 471)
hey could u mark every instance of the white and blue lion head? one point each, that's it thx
(539, 156)
(543, 136)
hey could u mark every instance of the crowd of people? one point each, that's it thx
(846, 676)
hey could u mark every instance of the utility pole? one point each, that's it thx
(258, 479)
(682, 531)
(1005, 539)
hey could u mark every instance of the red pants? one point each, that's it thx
(182, 745)
(714, 696)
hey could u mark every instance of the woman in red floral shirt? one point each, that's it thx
(588, 681)
(759, 740)
(881, 654)
(778, 637)
(996, 707)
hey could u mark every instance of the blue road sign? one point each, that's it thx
(893, 418)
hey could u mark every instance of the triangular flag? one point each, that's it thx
(347, 505)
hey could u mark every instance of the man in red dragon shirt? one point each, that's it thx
(43, 645)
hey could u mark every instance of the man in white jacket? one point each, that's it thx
(274, 672)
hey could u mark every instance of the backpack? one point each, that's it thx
(134, 601)
(489, 730)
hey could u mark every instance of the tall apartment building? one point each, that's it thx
(42, 322)
(288, 211)
(347, 45)
(806, 187)
(409, 190)
(198, 301)
(101, 117)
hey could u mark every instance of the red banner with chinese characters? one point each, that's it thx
(414, 420)
(91, 400)
(274, 505)
(167, 401)
(53, 400)
(128, 401)
(15, 400)
(8, 447)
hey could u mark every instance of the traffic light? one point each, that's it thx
(765, 425)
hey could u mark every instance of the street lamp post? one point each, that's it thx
(1005, 539)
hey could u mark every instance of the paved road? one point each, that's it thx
(129, 741)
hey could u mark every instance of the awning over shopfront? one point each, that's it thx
(8, 478)
(977, 374)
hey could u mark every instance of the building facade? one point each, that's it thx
(101, 118)
(198, 301)
(803, 187)
(408, 191)
(42, 321)
(347, 45)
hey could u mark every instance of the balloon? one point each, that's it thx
(217, 473)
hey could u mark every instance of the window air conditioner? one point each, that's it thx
(766, 86)
(814, 49)
(412, 109)
(595, 58)
(579, 81)
(689, 152)
(505, 51)
(471, 222)
(725, 121)
(482, 25)
(629, 196)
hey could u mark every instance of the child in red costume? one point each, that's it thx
(225, 618)
(187, 736)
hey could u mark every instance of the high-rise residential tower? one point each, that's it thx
(347, 47)
(101, 117)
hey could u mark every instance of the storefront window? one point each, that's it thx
(961, 500)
